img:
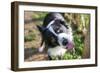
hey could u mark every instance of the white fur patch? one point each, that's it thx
(41, 48)
(56, 51)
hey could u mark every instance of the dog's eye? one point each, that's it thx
(59, 31)
(62, 22)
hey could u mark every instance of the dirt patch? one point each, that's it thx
(37, 57)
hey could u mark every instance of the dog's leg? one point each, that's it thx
(42, 46)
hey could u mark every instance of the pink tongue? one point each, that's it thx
(70, 45)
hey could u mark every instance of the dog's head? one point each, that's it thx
(56, 31)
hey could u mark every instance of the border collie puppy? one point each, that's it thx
(57, 35)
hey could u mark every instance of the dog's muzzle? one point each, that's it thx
(66, 40)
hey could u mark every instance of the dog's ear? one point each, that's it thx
(41, 28)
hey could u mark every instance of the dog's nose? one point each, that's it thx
(65, 42)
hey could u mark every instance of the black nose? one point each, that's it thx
(65, 42)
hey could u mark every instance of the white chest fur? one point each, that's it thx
(56, 51)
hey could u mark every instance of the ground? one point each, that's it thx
(32, 39)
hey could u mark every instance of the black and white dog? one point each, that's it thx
(57, 35)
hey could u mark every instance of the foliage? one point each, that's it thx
(39, 15)
(78, 38)
(29, 37)
(79, 44)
